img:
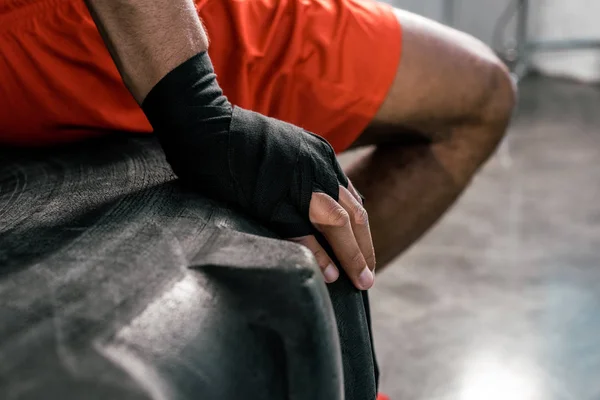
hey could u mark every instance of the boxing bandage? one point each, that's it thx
(266, 167)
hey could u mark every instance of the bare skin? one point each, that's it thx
(446, 112)
(451, 94)
(147, 39)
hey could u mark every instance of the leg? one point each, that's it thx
(447, 110)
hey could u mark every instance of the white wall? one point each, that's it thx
(549, 20)
(566, 19)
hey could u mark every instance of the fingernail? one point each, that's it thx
(331, 273)
(366, 279)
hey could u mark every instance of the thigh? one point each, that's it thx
(58, 81)
(324, 65)
(444, 78)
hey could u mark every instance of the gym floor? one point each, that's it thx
(501, 301)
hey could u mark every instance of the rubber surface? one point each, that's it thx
(117, 283)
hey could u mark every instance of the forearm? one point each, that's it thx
(147, 39)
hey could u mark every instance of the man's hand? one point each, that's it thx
(345, 225)
(287, 178)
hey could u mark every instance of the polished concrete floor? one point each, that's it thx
(501, 301)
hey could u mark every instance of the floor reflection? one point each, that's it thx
(489, 376)
(501, 299)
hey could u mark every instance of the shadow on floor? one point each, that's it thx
(501, 300)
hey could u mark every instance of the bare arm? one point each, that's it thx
(147, 39)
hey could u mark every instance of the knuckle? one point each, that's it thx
(338, 216)
(358, 260)
(319, 255)
(370, 259)
(361, 217)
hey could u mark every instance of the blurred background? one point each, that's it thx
(501, 301)
(549, 25)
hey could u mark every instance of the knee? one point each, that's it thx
(498, 100)
(491, 110)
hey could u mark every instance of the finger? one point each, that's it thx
(354, 192)
(333, 221)
(359, 220)
(330, 272)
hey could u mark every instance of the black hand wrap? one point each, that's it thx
(267, 167)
